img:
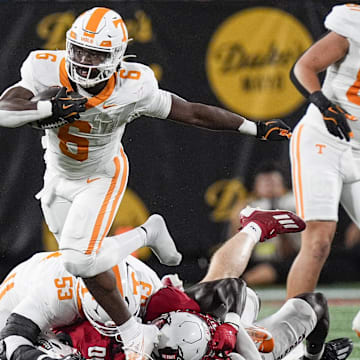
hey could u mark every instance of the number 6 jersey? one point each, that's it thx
(87, 145)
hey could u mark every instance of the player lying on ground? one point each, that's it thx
(220, 310)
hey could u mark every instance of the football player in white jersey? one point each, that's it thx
(86, 166)
(325, 147)
(40, 294)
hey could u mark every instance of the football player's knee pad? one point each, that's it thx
(18, 325)
(79, 264)
(318, 302)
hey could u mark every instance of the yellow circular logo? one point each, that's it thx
(249, 60)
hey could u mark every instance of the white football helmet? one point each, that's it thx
(49, 344)
(183, 336)
(95, 46)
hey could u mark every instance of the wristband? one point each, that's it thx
(320, 100)
(248, 127)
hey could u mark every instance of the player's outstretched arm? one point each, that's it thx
(304, 75)
(215, 118)
(18, 106)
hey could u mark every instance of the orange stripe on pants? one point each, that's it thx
(116, 201)
(298, 188)
(100, 218)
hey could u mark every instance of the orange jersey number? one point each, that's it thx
(82, 144)
(46, 56)
(64, 285)
(144, 287)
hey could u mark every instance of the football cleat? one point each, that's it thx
(338, 349)
(141, 347)
(262, 338)
(272, 222)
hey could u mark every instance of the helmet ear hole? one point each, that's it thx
(183, 336)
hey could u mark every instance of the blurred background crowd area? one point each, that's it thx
(233, 54)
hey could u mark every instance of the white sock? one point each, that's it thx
(251, 308)
(116, 248)
(253, 230)
(129, 330)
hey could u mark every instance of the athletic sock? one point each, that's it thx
(253, 230)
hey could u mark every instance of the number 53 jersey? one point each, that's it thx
(88, 145)
(42, 290)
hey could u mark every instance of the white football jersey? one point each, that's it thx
(43, 291)
(87, 145)
(342, 81)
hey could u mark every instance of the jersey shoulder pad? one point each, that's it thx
(345, 20)
(41, 69)
(144, 76)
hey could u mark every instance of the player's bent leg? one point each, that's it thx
(289, 326)
(315, 247)
(315, 341)
(160, 241)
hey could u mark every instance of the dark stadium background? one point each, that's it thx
(173, 167)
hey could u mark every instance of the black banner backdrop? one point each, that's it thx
(234, 54)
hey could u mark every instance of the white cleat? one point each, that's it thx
(160, 241)
(141, 347)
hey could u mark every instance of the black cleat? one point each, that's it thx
(338, 349)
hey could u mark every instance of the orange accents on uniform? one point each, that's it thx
(11, 276)
(118, 279)
(95, 100)
(320, 148)
(297, 181)
(78, 300)
(63, 76)
(116, 200)
(132, 74)
(91, 180)
(106, 43)
(52, 255)
(89, 34)
(72, 35)
(7, 288)
(95, 19)
(104, 94)
(105, 204)
(121, 22)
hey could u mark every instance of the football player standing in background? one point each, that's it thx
(325, 147)
(86, 166)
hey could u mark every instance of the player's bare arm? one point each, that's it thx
(326, 51)
(215, 118)
(52, 108)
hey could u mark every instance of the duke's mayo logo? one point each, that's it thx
(249, 60)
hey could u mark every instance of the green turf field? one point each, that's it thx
(341, 316)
